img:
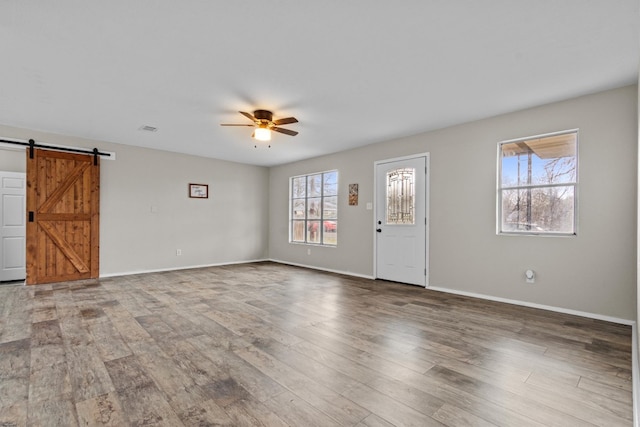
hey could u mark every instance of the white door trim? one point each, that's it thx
(427, 187)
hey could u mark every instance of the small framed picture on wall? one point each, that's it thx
(199, 191)
(353, 194)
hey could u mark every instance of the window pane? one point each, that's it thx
(330, 235)
(401, 196)
(330, 183)
(298, 231)
(540, 175)
(299, 186)
(330, 207)
(299, 207)
(314, 208)
(540, 161)
(539, 210)
(314, 185)
(313, 232)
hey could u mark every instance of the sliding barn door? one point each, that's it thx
(63, 200)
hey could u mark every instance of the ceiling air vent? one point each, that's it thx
(148, 128)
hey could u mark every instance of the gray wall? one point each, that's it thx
(636, 394)
(229, 226)
(593, 272)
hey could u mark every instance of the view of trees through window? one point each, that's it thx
(538, 179)
(314, 208)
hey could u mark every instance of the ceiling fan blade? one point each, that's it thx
(285, 121)
(248, 116)
(231, 124)
(285, 131)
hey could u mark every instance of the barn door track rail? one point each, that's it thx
(32, 145)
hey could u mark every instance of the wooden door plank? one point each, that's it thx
(61, 189)
(64, 217)
(62, 244)
(95, 218)
(32, 231)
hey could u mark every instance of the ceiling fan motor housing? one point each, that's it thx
(263, 115)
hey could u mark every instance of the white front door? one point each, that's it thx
(401, 220)
(12, 226)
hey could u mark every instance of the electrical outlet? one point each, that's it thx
(530, 276)
(308, 251)
(178, 252)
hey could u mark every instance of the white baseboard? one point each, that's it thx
(189, 267)
(535, 305)
(329, 270)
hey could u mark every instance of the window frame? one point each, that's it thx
(306, 219)
(500, 188)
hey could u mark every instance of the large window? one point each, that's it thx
(314, 209)
(537, 181)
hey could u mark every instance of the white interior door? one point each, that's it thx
(12, 226)
(401, 220)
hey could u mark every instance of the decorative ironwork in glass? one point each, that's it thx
(401, 200)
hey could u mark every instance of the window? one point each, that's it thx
(401, 200)
(537, 180)
(314, 209)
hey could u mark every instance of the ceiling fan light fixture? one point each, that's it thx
(262, 134)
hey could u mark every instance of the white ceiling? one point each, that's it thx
(353, 72)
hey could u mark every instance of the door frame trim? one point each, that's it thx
(427, 187)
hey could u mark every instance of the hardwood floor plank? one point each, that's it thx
(221, 362)
(322, 398)
(252, 413)
(485, 408)
(52, 413)
(15, 359)
(129, 329)
(49, 379)
(146, 406)
(296, 412)
(387, 408)
(87, 373)
(453, 416)
(15, 414)
(46, 333)
(206, 413)
(13, 391)
(177, 386)
(543, 406)
(103, 410)
(374, 421)
(615, 393)
(128, 372)
(108, 340)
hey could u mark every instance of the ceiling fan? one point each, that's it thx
(264, 124)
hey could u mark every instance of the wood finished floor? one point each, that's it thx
(273, 345)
